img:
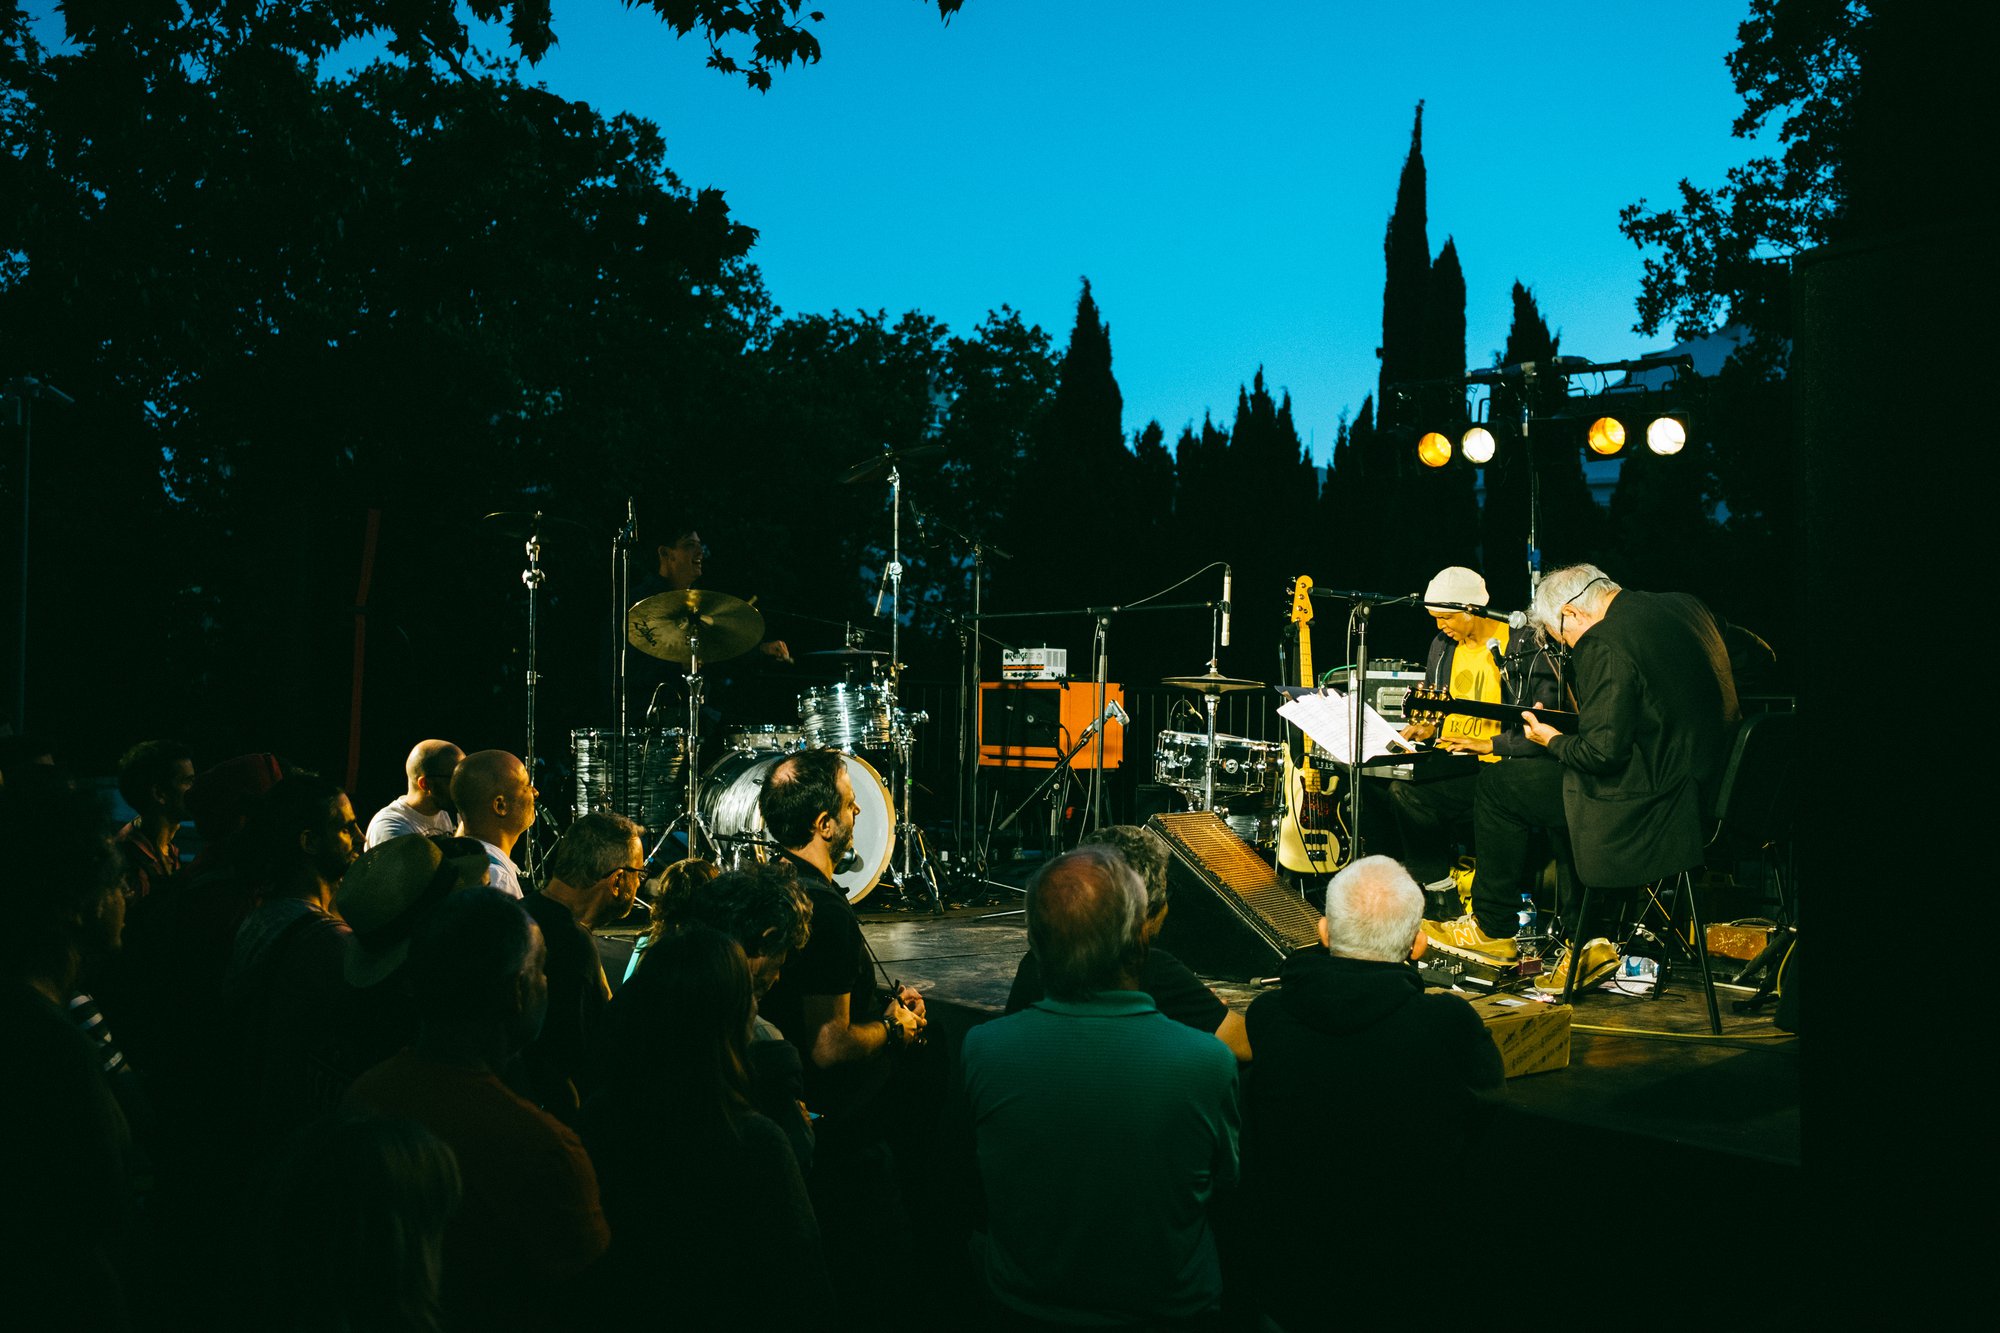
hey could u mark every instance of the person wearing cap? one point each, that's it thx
(1481, 658)
(425, 805)
(387, 896)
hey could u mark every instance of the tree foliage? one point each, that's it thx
(1721, 248)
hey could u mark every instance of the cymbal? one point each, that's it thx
(869, 468)
(521, 523)
(847, 652)
(1212, 683)
(670, 625)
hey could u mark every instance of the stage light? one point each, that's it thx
(1606, 436)
(1477, 445)
(1434, 450)
(1666, 435)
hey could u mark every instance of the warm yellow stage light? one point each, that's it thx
(1477, 444)
(1606, 437)
(1434, 449)
(1666, 436)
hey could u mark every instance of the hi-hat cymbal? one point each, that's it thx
(522, 523)
(672, 625)
(1212, 683)
(878, 466)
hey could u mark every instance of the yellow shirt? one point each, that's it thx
(1474, 675)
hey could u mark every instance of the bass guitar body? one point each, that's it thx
(1312, 837)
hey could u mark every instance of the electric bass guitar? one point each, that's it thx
(1313, 837)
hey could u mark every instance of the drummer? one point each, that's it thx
(681, 558)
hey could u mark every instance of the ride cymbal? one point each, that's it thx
(672, 625)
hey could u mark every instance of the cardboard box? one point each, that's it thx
(1739, 942)
(1533, 1035)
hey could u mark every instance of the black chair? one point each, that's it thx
(1755, 806)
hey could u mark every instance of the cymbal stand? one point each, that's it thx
(697, 833)
(532, 576)
(621, 583)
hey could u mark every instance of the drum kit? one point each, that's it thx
(1206, 765)
(656, 775)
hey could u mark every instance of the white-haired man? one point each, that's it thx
(1362, 1076)
(1657, 713)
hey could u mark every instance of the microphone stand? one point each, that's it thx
(621, 584)
(1364, 604)
(1100, 670)
(533, 577)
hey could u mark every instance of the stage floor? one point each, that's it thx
(1642, 1067)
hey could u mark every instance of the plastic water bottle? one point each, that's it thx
(1529, 919)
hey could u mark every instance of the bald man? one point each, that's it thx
(496, 804)
(426, 805)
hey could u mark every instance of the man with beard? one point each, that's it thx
(285, 988)
(846, 1027)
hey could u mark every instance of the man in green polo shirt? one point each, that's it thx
(1103, 1126)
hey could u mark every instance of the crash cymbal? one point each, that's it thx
(520, 523)
(878, 466)
(1212, 683)
(670, 625)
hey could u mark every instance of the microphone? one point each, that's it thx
(1227, 574)
(1111, 709)
(1513, 619)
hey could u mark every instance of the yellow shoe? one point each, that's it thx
(1464, 933)
(1600, 960)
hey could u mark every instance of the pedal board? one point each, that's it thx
(1442, 965)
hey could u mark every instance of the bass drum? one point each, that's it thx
(729, 792)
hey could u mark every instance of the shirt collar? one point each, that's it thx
(1104, 1004)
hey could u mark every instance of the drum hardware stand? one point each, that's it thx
(532, 576)
(621, 581)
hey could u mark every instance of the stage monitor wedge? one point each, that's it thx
(1231, 916)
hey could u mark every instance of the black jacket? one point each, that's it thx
(1658, 715)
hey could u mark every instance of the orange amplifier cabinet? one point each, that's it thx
(1032, 724)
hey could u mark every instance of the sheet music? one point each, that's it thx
(1327, 717)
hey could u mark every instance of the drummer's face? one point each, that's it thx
(680, 564)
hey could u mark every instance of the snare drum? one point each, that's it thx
(1243, 765)
(764, 738)
(637, 773)
(848, 717)
(729, 792)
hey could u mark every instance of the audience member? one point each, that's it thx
(65, 1146)
(702, 1192)
(282, 995)
(1362, 1077)
(1174, 988)
(154, 778)
(496, 804)
(348, 1231)
(387, 898)
(828, 1002)
(425, 805)
(594, 875)
(769, 915)
(531, 1223)
(1103, 1127)
(675, 883)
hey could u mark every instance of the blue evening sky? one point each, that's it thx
(1221, 173)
